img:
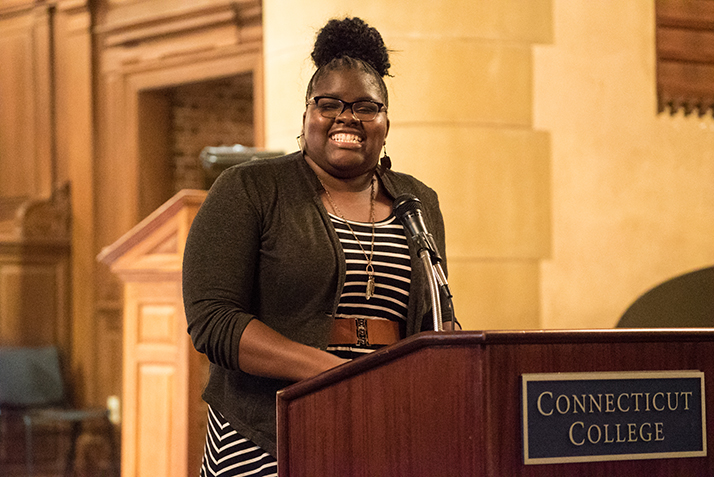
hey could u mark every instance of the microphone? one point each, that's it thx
(407, 209)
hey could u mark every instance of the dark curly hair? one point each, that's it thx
(346, 44)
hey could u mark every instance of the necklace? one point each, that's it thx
(369, 292)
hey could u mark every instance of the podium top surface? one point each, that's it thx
(491, 338)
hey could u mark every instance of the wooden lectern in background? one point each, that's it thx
(163, 415)
(449, 404)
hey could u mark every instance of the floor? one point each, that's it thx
(95, 455)
(52, 470)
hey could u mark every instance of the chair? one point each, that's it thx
(684, 301)
(32, 386)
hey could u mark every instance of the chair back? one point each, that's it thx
(30, 377)
(685, 301)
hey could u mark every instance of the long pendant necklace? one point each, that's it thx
(369, 292)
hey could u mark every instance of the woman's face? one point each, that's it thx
(345, 147)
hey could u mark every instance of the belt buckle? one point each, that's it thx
(361, 328)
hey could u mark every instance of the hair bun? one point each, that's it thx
(353, 38)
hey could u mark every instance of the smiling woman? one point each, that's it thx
(342, 149)
(295, 265)
(342, 142)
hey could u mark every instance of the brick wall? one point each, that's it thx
(211, 113)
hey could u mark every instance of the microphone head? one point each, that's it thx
(405, 205)
(407, 208)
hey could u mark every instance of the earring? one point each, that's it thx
(386, 161)
(301, 143)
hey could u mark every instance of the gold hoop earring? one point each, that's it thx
(300, 142)
(386, 161)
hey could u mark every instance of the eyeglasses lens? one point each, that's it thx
(362, 110)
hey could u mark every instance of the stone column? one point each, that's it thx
(461, 103)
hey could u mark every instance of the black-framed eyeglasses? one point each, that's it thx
(364, 110)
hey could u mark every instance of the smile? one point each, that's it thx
(348, 138)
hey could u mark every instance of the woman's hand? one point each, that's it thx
(447, 325)
(265, 352)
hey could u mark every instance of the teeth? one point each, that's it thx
(342, 137)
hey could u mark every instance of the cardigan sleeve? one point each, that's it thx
(433, 212)
(219, 268)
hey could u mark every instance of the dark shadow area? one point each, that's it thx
(686, 301)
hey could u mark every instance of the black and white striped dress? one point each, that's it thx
(227, 453)
(392, 270)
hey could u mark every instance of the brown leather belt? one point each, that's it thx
(364, 332)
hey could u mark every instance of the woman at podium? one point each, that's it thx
(296, 264)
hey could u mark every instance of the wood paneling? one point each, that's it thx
(685, 55)
(12, 6)
(26, 133)
(82, 100)
(74, 158)
(35, 272)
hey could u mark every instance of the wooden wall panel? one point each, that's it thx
(20, 303)
(685, 55)
(75, 162)
(81, 102)
(109, 332)
(34, 295)
(10, 6)
(35, 272)
(25, 95)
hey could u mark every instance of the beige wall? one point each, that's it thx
(633, 191)
(565, 195)
(461, 112)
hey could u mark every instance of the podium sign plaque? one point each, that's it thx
(589, 417)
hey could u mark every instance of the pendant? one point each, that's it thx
(369, 293)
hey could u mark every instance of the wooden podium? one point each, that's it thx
(449, 404)
(163, 415)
